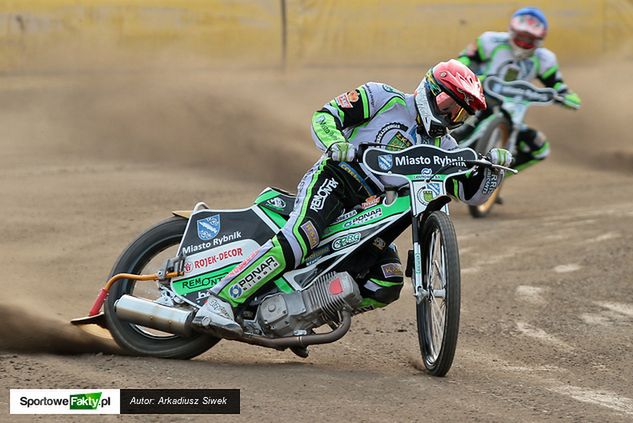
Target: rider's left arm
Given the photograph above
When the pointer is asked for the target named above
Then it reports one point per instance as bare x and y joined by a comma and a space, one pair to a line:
475, 187
552, 78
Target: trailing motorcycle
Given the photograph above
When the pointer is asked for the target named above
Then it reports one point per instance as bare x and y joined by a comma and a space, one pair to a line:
188, 253
502, 127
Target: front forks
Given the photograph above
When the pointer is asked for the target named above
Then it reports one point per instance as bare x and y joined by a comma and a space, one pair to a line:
422, 278
419, 290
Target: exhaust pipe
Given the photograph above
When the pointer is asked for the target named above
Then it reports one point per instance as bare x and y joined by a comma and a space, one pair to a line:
155, 316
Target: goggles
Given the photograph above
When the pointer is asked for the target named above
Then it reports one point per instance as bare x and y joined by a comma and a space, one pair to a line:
452, 112
525, 41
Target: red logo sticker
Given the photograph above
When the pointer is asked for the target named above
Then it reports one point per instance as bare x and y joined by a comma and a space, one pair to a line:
343, 101
370, 202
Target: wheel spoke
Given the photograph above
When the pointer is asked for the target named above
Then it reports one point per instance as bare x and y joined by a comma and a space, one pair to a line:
437, 289
438, 313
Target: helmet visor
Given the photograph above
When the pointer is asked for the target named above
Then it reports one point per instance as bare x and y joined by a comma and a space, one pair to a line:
451, 112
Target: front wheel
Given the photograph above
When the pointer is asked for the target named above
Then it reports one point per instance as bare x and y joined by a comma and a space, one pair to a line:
497, 134
438, 310
146, 255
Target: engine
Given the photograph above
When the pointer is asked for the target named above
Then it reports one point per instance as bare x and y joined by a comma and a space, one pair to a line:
298, 312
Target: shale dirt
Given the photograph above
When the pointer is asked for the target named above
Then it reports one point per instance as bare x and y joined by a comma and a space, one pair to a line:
91, 159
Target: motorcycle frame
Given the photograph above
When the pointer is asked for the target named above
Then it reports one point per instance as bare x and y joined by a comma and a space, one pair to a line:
414, 215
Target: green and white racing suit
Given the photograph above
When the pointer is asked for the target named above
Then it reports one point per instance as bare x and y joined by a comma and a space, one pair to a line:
491, 54
375, 113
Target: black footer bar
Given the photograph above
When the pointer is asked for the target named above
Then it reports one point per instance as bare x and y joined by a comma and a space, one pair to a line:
180, 401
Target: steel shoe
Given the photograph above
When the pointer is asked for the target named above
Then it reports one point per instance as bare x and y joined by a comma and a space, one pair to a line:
216, 317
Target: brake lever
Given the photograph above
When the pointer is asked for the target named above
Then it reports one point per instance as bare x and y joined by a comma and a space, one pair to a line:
485, 163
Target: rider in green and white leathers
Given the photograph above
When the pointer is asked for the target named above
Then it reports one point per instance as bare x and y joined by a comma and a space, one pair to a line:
378, 113
375, 113
493, 53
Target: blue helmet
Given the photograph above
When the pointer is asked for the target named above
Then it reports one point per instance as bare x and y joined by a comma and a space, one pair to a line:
532, 11
528, 28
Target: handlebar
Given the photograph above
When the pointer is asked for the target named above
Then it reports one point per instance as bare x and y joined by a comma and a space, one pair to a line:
483, 162
523, 91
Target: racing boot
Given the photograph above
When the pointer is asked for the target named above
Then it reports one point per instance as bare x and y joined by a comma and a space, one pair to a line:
216, 317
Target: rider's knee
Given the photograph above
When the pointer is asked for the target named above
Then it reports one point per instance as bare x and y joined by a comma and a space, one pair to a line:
290, 247
539, 139
541, 150
530, 139
532, 147
300, 242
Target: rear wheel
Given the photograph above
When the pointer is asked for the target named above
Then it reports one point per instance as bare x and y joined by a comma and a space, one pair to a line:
438, 311
497, 134
146, 255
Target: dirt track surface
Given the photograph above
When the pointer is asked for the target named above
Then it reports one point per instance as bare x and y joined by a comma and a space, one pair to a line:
91, 160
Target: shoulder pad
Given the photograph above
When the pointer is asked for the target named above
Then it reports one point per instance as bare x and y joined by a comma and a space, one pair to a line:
392, 90
488, 41
495, 37
378, 94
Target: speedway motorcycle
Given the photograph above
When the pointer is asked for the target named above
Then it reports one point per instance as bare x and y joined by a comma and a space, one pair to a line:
502, 127
161, 279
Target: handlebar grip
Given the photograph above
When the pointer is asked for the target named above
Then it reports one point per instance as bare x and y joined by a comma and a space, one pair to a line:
561, 100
